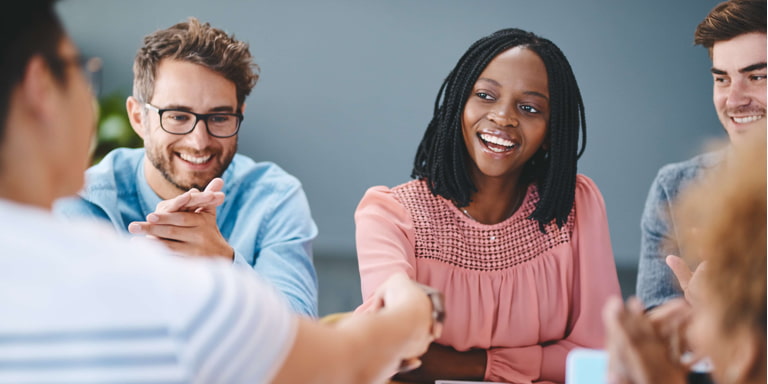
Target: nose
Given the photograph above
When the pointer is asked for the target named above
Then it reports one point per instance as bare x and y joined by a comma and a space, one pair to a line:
199, 137
504, 115
738, 94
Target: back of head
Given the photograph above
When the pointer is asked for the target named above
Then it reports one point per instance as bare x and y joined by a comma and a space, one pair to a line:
730, 19
442, 156
32, 28
727, 214
198, 43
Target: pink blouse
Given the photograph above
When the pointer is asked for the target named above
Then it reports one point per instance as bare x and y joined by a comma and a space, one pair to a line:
526, 297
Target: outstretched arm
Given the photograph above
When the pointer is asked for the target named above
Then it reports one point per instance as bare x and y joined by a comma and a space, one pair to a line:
385, 247
365, 347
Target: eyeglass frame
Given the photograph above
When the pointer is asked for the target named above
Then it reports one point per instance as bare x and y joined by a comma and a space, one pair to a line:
198, 116
91, 68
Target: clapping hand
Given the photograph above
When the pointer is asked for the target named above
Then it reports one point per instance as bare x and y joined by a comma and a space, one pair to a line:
187, 223
638, 351
689, 279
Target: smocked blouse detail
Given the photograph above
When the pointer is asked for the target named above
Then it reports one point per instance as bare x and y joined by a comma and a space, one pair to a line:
445, 234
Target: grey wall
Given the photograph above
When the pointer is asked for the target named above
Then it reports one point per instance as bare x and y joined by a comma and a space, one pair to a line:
348, 86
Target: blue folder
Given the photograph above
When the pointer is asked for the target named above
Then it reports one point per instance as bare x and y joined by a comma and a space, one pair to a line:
586, 366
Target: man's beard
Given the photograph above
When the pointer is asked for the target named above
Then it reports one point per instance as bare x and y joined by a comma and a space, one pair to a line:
163, 165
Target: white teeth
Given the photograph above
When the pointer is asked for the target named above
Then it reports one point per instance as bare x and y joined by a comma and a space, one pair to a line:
747, 119
496, 140
194, 159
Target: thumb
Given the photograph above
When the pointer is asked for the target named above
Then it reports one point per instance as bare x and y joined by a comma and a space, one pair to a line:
215, 185
681, 270
174, 204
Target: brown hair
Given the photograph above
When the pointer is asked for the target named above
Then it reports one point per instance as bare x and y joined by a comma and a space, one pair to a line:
196, 43
727, 217
730, 19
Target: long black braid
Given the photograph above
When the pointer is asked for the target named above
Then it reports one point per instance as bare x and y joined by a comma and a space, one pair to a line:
442, 157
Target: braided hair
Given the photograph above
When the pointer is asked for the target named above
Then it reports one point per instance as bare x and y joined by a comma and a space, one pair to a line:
441, 159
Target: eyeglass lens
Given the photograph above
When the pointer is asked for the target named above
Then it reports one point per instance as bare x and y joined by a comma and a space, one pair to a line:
180, 122
92, 70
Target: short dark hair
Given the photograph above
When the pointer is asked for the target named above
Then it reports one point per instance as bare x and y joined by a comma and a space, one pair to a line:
730, 19
442, 156
33, 28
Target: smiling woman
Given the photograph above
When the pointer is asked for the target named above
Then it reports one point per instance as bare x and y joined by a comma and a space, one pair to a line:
498, 219
505, 125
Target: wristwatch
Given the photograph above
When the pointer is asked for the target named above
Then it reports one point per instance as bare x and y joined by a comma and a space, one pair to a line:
438, 309
438, 316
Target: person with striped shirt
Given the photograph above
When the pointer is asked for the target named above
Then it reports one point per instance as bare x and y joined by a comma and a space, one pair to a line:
84, 304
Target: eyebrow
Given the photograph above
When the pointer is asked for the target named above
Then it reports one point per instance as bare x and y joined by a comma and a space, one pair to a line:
749, 68
531, 93
224, 109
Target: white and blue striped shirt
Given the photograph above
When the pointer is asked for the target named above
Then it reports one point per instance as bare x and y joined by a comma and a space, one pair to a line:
78, 304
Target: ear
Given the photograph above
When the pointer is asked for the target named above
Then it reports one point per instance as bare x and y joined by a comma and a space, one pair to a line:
38, 91
136, 115
242, 109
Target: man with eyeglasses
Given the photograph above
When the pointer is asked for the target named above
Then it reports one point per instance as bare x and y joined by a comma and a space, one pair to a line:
188, 187
82, 303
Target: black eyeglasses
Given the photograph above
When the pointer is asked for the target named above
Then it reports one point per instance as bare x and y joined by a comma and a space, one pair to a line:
181, 122
90, 67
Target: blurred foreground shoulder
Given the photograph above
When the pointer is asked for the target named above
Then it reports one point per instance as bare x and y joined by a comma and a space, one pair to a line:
129, 303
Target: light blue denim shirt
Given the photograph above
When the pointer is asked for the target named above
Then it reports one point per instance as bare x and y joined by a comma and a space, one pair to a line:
265, 216
655, 281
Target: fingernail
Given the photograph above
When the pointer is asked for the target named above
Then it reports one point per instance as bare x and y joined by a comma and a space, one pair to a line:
409, 365
152, 218
134, 228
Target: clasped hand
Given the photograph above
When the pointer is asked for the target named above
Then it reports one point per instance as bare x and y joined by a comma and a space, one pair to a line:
399, 292
187, 223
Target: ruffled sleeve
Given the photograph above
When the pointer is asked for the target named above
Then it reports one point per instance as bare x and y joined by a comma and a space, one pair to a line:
594, 281
385, 240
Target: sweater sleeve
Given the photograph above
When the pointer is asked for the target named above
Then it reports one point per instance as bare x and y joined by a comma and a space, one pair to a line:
385, 240
594, 281
655, 281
